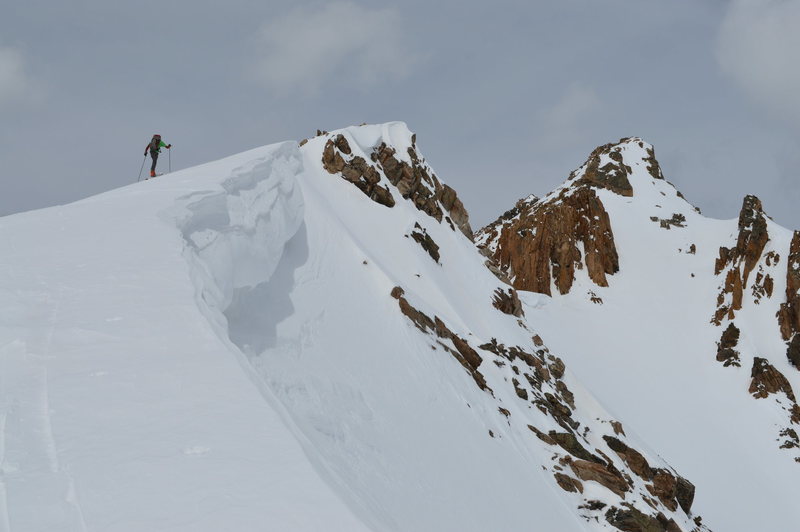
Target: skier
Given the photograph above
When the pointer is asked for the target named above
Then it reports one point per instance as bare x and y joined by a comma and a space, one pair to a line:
154, 147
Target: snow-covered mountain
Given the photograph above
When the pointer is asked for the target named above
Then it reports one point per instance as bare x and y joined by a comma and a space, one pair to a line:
305, 337
683, 326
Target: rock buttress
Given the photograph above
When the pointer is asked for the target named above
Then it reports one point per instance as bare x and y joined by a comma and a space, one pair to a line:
541, 243
415, 181
738, 262
789, 313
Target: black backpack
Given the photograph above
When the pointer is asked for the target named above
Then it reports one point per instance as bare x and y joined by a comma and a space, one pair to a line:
155, 145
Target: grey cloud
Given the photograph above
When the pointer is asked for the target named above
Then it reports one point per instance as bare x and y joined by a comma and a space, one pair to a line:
758, 46
14, 81
311, 46
565, 121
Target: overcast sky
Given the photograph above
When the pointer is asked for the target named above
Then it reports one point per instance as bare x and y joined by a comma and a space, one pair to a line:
506, 97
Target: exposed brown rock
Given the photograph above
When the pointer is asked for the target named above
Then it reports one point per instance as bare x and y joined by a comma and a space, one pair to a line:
742, 259
521, 392
356, 170
725, 347
617, 426
684, 493
332, 160
593, 505
633, 458
565, 393
542, 436
652, 164
792, 441
464, 353
397, 292
665, 487
632, 520
613, 174
568, 483
417, 183
542, 245
423, 322
677, 220
599, 473
793, 351
557, 367
507, 301
568, 442
421, 236
768, 380
789, 313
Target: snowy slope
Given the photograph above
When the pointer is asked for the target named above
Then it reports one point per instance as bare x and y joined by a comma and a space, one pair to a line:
647, 350
244, 346
120, 408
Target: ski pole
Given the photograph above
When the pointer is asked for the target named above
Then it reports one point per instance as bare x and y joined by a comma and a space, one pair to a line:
170, 160
142, 168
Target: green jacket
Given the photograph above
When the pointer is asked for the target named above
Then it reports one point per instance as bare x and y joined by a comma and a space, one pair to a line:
161, 144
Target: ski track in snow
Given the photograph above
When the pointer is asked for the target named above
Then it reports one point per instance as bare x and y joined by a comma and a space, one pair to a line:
30, 459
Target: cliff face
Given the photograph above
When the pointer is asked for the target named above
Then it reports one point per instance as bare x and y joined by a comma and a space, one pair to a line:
738, 262
541, 243
540, 248
789, 313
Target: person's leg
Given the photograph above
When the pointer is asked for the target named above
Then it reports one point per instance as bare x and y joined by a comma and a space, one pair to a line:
154, 155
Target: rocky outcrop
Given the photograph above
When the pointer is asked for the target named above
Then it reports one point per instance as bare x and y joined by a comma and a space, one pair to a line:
537, 379
633, 458
541, 245
507, 301
738, 262
466, 355
606, 168
725, 347
677, 220
632, 520
355, 170
421, 236
767, 380
600, 473
671, 490
417, 183
568, 483
789, 313
414, 180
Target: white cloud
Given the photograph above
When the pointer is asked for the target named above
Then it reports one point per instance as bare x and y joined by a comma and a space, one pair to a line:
14, 82
758, 46
341, 41
566, 120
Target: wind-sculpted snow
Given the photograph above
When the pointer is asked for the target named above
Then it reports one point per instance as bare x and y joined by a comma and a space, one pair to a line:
432, 427
236, 237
